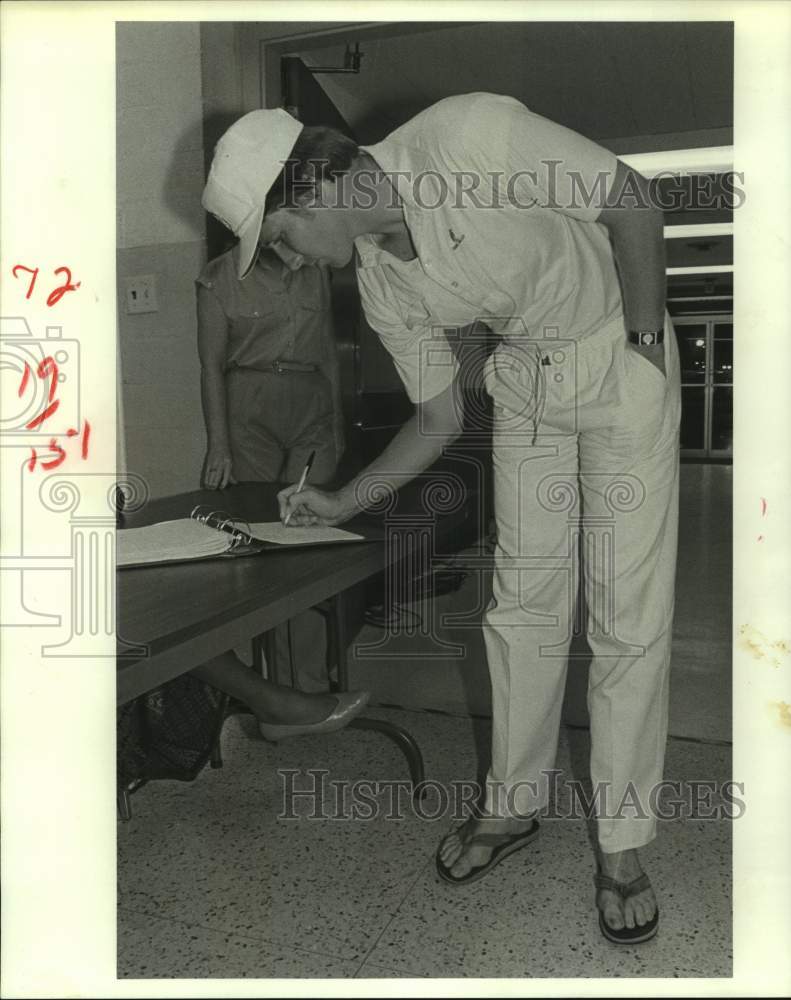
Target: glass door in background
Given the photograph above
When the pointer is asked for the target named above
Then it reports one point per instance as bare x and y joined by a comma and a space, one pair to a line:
705, 346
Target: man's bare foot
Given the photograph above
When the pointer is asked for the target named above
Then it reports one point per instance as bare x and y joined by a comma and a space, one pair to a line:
460, 856
635, 911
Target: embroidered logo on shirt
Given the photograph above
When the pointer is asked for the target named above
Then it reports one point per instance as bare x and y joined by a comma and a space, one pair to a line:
456, 239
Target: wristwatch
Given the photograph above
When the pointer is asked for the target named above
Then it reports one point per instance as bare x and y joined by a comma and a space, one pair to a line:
645, 338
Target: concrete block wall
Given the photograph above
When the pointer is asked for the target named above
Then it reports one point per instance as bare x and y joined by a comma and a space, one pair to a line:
160, 231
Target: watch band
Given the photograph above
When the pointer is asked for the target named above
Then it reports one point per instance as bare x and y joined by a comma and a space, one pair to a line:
645, 338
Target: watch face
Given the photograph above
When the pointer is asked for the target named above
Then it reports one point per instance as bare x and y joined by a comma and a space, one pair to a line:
647, 338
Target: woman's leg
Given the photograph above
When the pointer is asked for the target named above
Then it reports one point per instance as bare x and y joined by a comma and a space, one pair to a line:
269, 702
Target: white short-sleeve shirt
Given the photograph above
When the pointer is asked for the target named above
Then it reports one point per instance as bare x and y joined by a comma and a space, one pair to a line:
501, 205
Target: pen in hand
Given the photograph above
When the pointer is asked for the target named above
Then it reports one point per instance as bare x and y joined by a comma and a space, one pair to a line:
301, 483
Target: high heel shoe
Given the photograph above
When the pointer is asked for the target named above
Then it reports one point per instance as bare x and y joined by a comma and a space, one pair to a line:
350, 704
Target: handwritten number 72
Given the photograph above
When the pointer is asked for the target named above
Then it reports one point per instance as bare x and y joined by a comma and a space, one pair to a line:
57, 293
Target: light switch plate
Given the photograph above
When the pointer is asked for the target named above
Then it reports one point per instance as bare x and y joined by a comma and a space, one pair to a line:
141, 294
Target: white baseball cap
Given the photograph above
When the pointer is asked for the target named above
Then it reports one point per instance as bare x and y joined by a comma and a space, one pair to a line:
247, 161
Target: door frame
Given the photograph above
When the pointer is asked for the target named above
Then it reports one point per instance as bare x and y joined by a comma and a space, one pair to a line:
270, 94
710, 320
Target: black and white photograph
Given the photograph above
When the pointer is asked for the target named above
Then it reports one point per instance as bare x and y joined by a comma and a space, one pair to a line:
411, 218
425, 639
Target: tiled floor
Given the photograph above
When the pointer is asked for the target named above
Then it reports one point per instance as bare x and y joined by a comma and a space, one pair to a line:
212, 884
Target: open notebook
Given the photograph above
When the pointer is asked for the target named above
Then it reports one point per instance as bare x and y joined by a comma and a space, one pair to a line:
206, 533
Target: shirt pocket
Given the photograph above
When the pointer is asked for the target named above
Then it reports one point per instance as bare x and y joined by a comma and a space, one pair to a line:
252, 319
252, 308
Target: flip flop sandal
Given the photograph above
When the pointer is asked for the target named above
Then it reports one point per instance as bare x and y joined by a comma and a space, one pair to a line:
626, 935
503, 843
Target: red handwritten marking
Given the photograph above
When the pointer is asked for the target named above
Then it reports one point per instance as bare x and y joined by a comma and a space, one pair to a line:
57, 293
60, 452
30, 270
763, 506
44, 415
61, 455
49, 367
86, 434
25, 380
67, 286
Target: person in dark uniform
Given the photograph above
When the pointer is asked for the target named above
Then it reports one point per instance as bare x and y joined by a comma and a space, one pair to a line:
269, 371
270, 392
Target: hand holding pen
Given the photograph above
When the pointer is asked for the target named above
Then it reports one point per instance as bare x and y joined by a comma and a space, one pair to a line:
302, 481
314, 506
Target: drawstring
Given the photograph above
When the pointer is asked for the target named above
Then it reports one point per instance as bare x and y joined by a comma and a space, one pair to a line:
526, 382
540, 392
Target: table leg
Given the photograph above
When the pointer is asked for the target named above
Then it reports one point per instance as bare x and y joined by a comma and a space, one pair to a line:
337, 639
260, 664
339, 644
406, 743
124, 805
215, 756
124, 798
215, 760
264, 657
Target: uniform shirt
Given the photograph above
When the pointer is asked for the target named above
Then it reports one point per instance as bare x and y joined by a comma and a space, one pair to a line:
274, 314
522, 251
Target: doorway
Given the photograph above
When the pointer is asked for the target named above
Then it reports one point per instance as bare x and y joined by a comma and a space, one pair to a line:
705, 345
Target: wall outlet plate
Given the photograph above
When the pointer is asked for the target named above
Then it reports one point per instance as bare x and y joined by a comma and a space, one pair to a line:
141, 294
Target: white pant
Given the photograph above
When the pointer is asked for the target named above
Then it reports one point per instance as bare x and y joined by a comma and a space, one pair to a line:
588, 441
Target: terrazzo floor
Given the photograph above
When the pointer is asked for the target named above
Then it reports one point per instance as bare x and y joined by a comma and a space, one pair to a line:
213, 884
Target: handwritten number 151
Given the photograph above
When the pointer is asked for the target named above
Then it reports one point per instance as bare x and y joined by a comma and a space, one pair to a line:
57, 293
